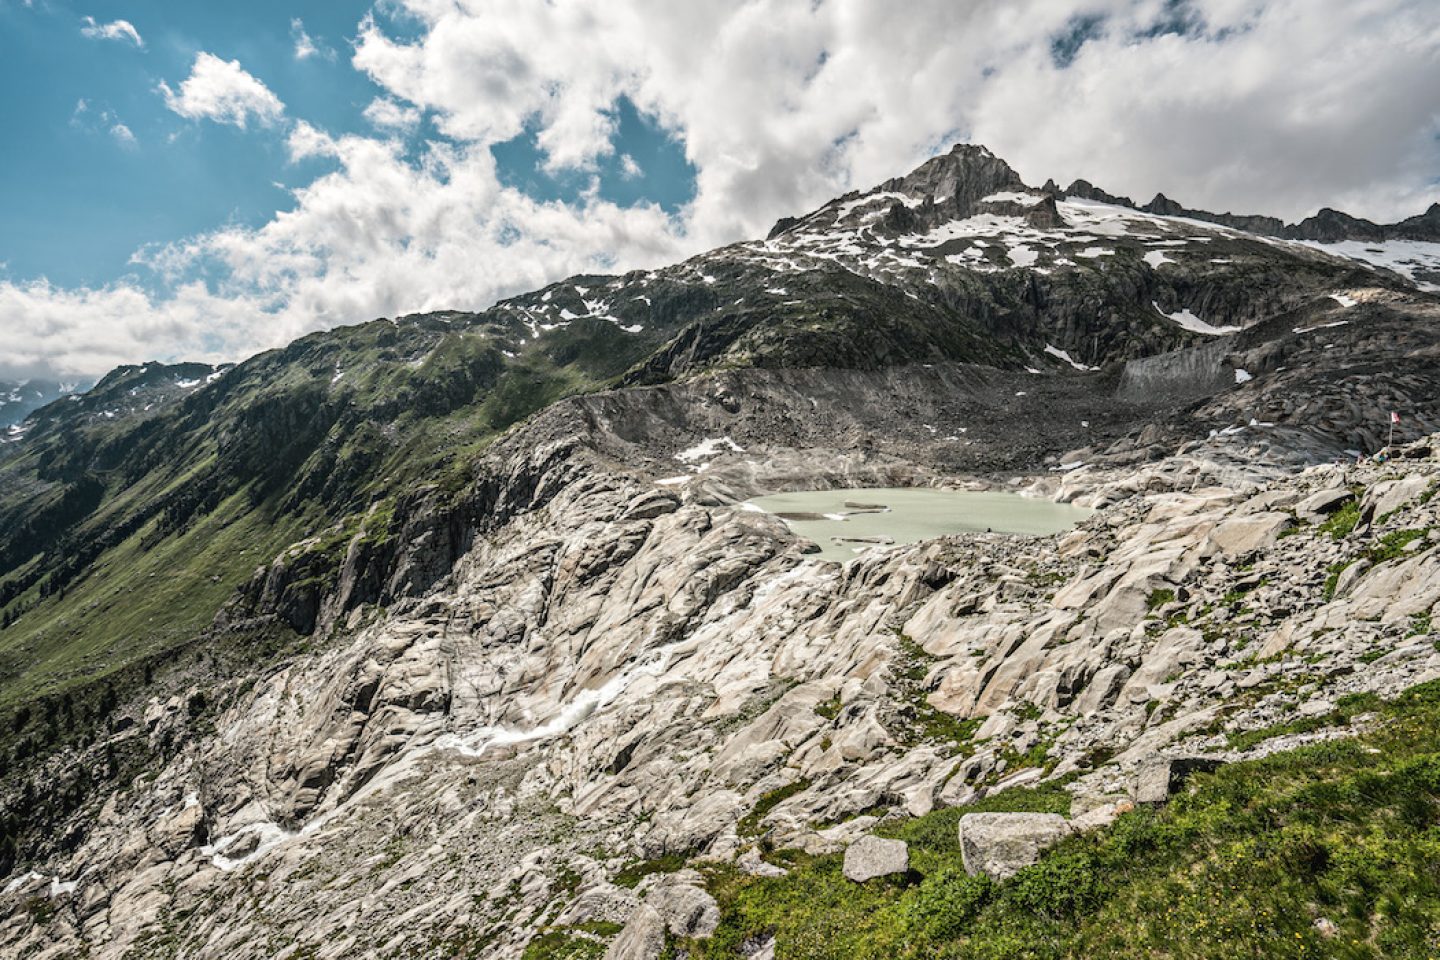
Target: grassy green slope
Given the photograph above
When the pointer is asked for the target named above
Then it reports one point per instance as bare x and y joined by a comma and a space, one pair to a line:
1331, 850
137, 602
294, 444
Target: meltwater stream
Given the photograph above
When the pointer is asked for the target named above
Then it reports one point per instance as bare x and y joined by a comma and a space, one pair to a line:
846, 522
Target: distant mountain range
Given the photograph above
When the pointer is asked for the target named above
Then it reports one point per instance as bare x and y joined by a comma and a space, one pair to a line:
20, 398
1326, 226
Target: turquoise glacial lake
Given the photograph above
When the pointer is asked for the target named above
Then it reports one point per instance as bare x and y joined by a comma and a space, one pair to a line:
846, 522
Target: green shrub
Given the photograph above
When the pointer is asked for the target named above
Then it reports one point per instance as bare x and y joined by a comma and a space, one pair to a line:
1393, 544
1158, 598
630, 876
749, 824
1340, 523
946, 902
580, 942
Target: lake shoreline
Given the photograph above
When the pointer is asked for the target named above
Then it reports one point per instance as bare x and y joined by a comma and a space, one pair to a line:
846, 522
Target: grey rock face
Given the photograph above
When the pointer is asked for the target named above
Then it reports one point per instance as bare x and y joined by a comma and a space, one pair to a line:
1389, 496
642, 938
1200, 371
999, 845
871, 857
628, 666
1350, 576
632, 672
1152, 782
688, 911
1159, 777
955, 182
1318, 506
1242, 536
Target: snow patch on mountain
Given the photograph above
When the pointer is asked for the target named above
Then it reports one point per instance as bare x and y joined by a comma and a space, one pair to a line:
1059, 354
1022, 255
1414, 260
708, 448
887, 197
1010, 196
1193, 323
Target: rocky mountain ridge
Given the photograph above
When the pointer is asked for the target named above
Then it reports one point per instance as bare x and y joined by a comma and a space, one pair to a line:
20, 398
301, 440
1325, 226
971, 185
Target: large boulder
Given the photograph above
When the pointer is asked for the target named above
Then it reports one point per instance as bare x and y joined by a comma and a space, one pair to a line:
1390, 495
1243, 535
1318, 506
643, 937
687, 911
871, 857
999, 845
1158, 777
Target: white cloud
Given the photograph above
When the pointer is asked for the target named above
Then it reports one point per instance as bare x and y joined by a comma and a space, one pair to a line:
382, 235
379, 236
629, 169
388, 115
87, 332
1266, 106
305, 141
305, 45
792, 103
115, 30
92, 119
222, 90
1278, 108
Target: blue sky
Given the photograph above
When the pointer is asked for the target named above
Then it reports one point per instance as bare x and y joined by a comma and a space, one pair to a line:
77, 201
219, 193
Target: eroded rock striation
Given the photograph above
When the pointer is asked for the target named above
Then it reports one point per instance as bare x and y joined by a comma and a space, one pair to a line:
624, 675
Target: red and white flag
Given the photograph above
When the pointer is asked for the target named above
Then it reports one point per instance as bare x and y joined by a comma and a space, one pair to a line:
1394, 417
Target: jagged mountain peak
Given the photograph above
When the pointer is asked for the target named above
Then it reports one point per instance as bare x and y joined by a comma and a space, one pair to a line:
951, 186
1326, 226
1329, 225
961, 177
